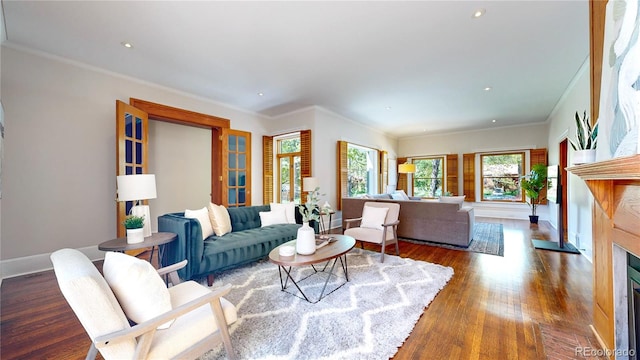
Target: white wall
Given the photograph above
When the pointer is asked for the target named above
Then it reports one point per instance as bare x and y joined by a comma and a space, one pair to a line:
562, 125
327, 128
59, 172
495, 139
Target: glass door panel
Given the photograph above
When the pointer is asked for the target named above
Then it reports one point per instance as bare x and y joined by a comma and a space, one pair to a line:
237, 184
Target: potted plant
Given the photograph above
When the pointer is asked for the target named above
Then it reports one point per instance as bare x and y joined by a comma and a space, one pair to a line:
533, 184
134, 225
586, 140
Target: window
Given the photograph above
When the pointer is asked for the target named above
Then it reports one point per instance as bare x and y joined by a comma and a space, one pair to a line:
501, 176
289, 176
362, 165
428, 180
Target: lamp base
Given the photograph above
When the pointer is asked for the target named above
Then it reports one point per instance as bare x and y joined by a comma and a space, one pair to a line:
143, 210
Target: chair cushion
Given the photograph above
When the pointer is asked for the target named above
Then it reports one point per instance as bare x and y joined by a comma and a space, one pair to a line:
373, 217
138, 287
365, 234
219, 218
289, 211
91, 299
399, 195
202, 215
191, 327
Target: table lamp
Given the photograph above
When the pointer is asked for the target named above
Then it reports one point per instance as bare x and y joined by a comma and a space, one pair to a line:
405, 168
137, 188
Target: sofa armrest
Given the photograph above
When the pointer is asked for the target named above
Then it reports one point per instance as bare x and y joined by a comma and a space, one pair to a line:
188, 245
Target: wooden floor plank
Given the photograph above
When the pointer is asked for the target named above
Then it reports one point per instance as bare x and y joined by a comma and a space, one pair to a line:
493, 307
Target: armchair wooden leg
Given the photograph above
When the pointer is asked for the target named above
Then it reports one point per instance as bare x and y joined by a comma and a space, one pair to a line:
397, 248
210, 279
382, 253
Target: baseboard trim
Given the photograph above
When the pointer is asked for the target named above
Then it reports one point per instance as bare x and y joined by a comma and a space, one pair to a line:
36, 263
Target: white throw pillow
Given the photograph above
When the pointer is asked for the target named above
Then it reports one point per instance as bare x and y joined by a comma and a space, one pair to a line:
138, 287
289, 211
202, 215
220, 220
373, 217
272, 217
452, 199
400, 194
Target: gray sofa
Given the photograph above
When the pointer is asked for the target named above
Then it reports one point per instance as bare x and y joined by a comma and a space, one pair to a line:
429, 220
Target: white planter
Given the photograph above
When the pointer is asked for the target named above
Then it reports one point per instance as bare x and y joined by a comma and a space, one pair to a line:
584, 156
306, 240
135, 236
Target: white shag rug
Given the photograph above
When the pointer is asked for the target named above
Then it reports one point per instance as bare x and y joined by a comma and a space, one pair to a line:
367, 318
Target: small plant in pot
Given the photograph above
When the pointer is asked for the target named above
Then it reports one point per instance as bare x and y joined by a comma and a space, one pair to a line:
586, 140
134, 225
532, 184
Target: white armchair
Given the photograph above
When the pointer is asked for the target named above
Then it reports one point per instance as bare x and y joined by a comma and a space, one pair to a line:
378, 224
198, 317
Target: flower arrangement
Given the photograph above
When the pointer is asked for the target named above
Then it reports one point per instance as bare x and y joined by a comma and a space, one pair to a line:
309, 210
133, 222
586, 136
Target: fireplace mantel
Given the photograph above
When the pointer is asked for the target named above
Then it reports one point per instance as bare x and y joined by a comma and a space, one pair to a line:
615, 185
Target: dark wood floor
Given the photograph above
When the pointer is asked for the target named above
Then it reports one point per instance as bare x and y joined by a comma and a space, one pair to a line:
529, 304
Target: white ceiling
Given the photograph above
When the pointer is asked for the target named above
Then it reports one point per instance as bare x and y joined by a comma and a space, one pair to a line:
405, 68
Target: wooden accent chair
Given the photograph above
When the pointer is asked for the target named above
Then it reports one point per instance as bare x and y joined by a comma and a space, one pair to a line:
378, 224
197, 319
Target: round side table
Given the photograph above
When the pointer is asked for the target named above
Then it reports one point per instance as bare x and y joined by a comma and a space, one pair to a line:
159, 240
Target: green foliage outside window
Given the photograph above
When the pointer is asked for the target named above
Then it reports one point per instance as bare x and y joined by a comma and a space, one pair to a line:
428, 180
501, 175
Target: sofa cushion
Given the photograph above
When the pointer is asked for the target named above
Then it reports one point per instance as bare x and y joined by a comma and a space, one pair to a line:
202, 215
248, 217
220, 220
452, 199
399, 195
289, 210
273, 217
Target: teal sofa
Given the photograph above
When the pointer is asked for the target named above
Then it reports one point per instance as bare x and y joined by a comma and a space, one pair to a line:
247, 242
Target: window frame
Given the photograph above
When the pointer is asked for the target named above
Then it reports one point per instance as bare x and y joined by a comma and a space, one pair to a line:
443, 165
519, 176
292, 174
372, 175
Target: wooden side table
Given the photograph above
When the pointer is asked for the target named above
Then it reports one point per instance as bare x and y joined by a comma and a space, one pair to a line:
158, 240
324, 229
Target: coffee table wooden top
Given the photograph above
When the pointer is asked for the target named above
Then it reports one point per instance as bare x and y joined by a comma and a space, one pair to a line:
334, 249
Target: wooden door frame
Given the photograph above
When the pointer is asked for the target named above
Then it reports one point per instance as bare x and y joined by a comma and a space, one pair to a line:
179, 116
564, 180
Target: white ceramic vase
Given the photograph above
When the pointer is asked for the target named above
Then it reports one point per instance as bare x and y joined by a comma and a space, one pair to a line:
584, 156
306, 240
135, 236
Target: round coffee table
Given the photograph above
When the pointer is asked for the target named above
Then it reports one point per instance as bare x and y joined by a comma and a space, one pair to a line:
335, 250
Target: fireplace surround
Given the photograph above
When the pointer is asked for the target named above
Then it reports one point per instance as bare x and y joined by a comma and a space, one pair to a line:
615, 185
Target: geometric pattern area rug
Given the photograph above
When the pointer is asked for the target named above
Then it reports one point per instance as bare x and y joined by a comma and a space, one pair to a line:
368, 318
488, 238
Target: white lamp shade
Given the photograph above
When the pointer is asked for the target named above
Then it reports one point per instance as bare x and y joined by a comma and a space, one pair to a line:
310, 184
136, 187
406, 168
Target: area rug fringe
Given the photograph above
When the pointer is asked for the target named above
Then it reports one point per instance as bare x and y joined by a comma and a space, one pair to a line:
368, 318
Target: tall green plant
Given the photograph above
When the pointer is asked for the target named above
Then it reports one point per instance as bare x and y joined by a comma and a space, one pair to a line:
533, 184
586, 136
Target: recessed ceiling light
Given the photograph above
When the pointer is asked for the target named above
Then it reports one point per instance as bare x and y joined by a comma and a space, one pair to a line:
494, 120
388, 108
126, 44
260, 94
478, 13
488, 88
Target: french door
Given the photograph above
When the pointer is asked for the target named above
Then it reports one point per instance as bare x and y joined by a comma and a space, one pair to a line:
132, 131
236, 163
